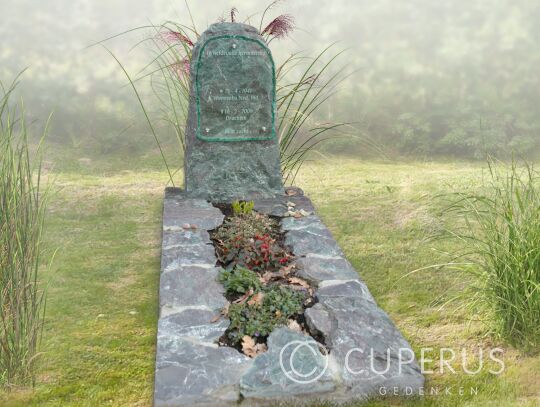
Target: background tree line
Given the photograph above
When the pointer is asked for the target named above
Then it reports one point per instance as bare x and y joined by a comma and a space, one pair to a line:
430, 78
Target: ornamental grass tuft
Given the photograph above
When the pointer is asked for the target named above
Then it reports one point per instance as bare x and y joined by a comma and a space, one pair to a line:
22, 210
501, 233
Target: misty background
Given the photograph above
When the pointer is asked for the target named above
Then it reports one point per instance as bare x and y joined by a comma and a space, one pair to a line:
431, 79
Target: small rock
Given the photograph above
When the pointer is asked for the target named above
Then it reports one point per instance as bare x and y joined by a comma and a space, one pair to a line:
291, 204
186, 226
291, 191
193, 226
133, 312
319, 320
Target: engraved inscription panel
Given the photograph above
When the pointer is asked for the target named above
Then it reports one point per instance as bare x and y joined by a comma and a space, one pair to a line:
235, 90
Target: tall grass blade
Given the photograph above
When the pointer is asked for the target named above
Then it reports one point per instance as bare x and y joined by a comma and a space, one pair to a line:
22, 212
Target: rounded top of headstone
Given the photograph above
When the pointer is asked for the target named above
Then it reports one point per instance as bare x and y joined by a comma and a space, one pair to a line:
217, 29
231, 27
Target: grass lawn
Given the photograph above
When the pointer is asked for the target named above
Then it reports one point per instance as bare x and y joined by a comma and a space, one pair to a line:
99, 339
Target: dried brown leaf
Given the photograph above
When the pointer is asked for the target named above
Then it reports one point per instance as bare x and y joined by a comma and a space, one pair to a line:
284, 271
244, 297
277, 275
300, 282
250, 348
256, 299
248, 344
266, 277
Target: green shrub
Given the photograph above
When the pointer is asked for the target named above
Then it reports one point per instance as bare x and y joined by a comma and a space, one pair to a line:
284, 300
242, 208
278, 305
502, 237
239, 281
251, 320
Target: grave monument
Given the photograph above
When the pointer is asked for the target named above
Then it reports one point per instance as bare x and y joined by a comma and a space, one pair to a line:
232, 149
232, 152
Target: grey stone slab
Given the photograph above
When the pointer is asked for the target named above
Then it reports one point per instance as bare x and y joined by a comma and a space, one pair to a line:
312, 223
194, 323
316, 269
185, 255
272, 376
191, 374
308, 235
349, 289
184, 237
303, 243
178, 211
366, 346
277, 206
271, 206
191, 287
232, 99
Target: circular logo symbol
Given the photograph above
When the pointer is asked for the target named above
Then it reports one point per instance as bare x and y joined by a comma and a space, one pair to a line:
303, 362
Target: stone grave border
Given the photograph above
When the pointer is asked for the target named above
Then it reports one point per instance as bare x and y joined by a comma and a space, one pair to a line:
192, 370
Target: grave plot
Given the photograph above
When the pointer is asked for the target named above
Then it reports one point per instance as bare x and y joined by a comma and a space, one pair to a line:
279, 313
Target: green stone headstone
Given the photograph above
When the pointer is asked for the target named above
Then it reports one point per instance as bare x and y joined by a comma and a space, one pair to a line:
232, 149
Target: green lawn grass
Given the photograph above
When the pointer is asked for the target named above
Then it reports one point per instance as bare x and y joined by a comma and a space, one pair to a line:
99, 339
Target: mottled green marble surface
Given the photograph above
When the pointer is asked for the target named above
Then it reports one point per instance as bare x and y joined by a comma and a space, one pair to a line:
220, 164
235, 90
